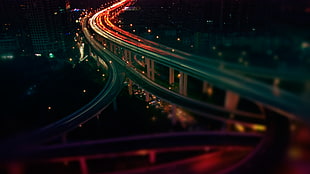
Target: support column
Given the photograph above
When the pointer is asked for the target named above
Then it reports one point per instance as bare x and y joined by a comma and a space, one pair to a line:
115, 49
231, 103
130, 87
150, 68
261, 108
171, 76
148, 71
205, 87
15, 168
124, 54
111, 47
173, 113
183, 84
275, 86
152, 156
185, 78
127, 56
147, 96
231, 100
98, 60
83, 166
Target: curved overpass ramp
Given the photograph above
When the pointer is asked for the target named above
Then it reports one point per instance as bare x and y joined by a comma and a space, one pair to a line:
224, 75
31, 140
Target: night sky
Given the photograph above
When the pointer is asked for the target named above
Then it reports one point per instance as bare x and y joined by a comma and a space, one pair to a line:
42, 79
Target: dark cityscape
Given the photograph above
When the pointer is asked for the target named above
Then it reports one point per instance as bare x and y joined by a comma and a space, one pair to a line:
155, 86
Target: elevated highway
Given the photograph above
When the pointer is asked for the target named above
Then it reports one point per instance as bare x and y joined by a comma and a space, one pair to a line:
227, 76
118, 50
15, 146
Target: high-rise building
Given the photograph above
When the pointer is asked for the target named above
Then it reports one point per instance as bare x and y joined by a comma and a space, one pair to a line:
9, 27
46, 25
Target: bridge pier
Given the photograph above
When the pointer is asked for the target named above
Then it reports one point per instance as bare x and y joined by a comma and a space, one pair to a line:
150, 73
183, 83
111, 47
150, 70
231, 100
127, 56
152, 156
275, 86
231, 103
147, 96
171, 75
130, 83
15, 168
83, 165
207, 88
173, 113
271, 150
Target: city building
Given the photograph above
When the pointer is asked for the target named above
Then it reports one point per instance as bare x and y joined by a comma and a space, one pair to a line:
46, 25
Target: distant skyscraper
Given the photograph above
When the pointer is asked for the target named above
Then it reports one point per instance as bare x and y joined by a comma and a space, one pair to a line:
46, 25
9, 27
7, 9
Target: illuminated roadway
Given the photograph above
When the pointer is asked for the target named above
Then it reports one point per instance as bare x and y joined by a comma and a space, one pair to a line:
20, 144
221, 74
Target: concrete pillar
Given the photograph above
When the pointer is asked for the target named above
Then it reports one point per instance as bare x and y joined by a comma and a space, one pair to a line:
83, 166
205, 87
124, 54
261, 108
130, 87
98, 60
275, 86
171, 76
127, 56
115, 49
152, 156
147, 96
111, 47
15, 168
148, 68
231, 100
152, 70
173, 112
185, 79
183, 84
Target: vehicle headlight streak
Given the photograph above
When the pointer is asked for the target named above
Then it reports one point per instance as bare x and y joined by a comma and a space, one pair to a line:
216, 72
